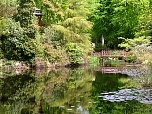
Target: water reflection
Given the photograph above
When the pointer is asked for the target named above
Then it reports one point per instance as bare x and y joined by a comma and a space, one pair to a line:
48, 92
71, 91
107, 94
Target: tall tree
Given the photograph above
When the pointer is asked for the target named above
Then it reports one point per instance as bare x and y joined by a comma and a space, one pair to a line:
143, 34
69, 19
116, 18
53, 10
76, 30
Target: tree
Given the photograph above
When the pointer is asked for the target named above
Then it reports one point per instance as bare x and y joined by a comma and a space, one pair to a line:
143, 33
116, 18
69, 20
53, 11
76, 29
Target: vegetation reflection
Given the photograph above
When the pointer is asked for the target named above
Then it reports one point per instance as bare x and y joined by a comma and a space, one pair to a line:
37, 92
66, 91
112, 83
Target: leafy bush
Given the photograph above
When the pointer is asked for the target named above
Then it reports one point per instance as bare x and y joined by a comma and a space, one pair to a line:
14, 41
53, 46
10, 62
131, 58
94, 61
53, 37
75, 53
1, 54
130, 43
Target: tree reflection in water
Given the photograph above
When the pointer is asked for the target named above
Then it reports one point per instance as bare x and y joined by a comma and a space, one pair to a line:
50, 92
66, 91
111, 83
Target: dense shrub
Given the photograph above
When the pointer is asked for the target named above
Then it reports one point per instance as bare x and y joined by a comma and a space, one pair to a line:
131, 57
94, 61
53, 46
75, 53
14, 42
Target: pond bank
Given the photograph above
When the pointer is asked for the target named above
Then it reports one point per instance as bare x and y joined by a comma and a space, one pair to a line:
12, 65
21, 66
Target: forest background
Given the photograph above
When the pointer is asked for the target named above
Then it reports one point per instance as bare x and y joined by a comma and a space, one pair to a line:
72, 29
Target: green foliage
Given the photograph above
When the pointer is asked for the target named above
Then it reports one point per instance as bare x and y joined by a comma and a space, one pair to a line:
78, 25
8, 8
75, 53
53, 46
129, 43
25, 13
131, 58
67, 39
94, 61
25, 18
55, 55
11, 35
19, 40
117, 18
99, 47
140, 45
14, 43
1, 54
113, 62
53, 11
69, 26
53, 37
68, 30
75, 29
10, 62
77, 8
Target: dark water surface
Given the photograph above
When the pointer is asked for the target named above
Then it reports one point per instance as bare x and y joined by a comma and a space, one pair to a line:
74, 91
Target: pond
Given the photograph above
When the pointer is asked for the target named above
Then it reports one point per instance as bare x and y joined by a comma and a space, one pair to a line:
76, 91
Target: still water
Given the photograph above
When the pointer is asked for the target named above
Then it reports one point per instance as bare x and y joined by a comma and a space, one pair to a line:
75, 91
